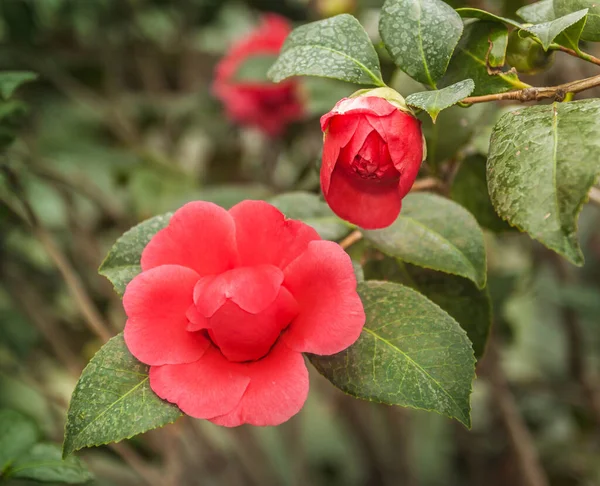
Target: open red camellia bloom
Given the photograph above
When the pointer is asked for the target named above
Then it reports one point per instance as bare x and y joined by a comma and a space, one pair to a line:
373, 149
226, 304
268, 106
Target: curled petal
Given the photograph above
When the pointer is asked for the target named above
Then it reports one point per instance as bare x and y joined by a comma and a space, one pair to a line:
265, 236
200, 235
277, 391
339, 132
156, 303
331, 313
360, 105
204, 389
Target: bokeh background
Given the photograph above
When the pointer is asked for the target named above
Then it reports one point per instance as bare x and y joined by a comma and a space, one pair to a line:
122, 125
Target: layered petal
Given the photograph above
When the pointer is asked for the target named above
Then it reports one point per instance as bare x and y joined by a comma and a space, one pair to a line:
265, 236
338, 134
156, 302
200, 236
331, 314
277, 391
360, 105
253, 289
368, 203
206, 388
243, 336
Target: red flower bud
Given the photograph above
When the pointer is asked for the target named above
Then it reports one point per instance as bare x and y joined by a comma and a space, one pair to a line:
265, 105
373, 149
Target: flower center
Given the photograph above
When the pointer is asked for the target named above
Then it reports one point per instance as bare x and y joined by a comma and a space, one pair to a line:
369, 169
373, 161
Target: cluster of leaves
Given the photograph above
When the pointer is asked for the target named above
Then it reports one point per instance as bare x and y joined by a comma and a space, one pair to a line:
429, 323
23, 457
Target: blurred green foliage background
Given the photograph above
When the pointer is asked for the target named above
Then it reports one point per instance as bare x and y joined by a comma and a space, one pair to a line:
121, 125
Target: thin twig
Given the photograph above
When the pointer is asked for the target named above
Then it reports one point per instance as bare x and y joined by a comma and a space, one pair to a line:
352, 238
558, 93
426, 184
581, 55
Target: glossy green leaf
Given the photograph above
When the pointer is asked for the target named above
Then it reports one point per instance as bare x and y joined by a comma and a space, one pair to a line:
11, 80
437, 100
475, 13
471, 60
591, 32
113, 400
337, 47
254, 69
538, 12
309, 208
43, 463
420, 35
435, 232
17, 434
548, 31
122, 263
470, 190
542, 163
410, 353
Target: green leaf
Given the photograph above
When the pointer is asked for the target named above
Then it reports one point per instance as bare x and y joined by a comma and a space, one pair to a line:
542, 163
321, 94
475, 13
435, 101
435, 232
471, 60
337, 47
44, 463
469, 189
410, 353
313, 211
548, 31
11, 80
113, 400
122, 263
538, 12
420, 35
591, 32
17, 434
254, 69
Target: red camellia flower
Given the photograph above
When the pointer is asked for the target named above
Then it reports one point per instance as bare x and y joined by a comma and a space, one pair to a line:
373, 149
226, 304
268, 106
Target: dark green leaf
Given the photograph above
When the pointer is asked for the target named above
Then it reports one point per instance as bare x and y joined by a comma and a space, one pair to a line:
538, 12
548, 31
122, 263
591, 32
113, 400
475, 13
435, 232
471, 60
337, 47
11, 80
543, 161
44, 463
322, 93
313, 211
254, 69
17, 435
420, 35
435, 101
410, 353
469, 189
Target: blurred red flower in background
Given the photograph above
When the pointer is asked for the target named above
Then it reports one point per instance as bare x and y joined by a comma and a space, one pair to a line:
257, 102
226, 304
373, 149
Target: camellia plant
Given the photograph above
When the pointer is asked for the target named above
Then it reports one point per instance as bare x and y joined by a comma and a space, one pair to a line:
225, 308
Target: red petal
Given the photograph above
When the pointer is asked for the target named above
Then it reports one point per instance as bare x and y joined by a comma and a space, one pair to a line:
277, 391
338, 134
204, 389
156, 302
361, 105
405, 144
265, 236
242, 336
251, 288
368, 203
331, 313
200, 236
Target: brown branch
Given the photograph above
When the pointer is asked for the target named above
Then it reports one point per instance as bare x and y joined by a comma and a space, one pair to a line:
352, 238
585, 56
557, 93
